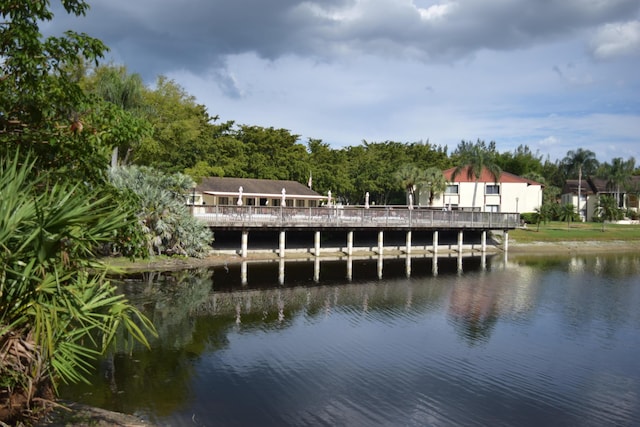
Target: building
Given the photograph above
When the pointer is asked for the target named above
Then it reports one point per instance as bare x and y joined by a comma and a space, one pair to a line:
511, 193
590, 191
218, 191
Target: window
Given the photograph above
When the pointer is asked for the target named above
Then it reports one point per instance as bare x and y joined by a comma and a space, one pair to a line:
493, 189
223, 201
313, 204
452, 189
300, 203
493, 208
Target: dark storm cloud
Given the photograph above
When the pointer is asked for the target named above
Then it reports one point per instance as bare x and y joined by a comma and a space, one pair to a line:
158, 36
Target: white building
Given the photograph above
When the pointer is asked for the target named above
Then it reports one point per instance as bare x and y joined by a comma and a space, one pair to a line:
511, 193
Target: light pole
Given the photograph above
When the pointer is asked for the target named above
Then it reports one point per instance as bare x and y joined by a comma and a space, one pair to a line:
517, 200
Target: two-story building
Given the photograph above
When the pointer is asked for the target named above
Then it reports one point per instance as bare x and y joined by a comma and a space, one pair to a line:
510, 193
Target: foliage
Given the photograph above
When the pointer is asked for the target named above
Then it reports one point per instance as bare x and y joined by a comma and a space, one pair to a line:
42, 105
608, 210
618, 175
568, 213
410, 177
434, 182
167, 225
474, 158
57, 312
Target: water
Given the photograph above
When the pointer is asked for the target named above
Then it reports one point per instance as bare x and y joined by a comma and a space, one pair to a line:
473, 342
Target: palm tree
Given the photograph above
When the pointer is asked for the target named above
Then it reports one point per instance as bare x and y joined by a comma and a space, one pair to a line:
411, 178
567, 212
581, 161
474, 159
434, 182
57, 310
608, 209
618, 174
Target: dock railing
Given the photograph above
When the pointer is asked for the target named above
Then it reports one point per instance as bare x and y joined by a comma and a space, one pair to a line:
351, 216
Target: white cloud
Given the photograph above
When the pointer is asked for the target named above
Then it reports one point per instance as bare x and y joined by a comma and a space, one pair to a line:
616, 40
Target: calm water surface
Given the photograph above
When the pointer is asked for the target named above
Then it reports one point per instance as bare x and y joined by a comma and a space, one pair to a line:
465, 342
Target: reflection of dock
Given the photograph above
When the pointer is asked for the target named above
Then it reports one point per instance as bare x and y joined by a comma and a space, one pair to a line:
349, 268
350, 220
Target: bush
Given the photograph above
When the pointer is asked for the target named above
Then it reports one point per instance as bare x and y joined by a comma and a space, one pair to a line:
57, 310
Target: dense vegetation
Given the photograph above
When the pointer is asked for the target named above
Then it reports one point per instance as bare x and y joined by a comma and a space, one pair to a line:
94, 162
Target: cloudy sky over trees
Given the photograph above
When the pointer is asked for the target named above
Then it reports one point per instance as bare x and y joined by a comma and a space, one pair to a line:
553, 74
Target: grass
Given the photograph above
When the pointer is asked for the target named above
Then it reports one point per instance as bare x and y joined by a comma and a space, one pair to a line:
577, 231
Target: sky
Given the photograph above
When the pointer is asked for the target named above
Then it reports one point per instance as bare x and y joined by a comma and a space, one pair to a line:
555, 75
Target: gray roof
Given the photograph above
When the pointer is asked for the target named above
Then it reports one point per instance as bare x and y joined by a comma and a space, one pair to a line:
263, 187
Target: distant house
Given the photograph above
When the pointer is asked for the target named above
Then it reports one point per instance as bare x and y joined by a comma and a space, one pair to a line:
217, 191
590, 191
511, 193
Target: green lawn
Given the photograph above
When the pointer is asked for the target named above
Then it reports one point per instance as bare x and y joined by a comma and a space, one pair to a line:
577, 231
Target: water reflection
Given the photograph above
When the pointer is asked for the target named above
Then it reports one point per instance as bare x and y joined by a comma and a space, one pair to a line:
507, 341
329, 266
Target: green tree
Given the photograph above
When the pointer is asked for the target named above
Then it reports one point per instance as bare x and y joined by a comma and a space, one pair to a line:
580, 161
410, 177
166, 223
329, 169
522, 161
434, 182
474, 158
125, 92
42, 104
567, 213
608, 210
273, 154
544, 213
181, 129
618, 175
57, 310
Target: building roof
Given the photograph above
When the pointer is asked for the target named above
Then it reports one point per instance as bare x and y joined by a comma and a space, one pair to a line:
485, 177
571, 187
255, 187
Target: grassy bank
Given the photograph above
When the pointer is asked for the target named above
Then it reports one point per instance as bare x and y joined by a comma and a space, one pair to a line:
576, 232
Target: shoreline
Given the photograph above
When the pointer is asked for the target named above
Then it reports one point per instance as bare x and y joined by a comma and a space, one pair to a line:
126, 266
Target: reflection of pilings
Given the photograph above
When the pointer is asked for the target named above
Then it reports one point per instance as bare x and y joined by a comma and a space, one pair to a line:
460, 240
349, 268
434, 266
244, 243
380, 260
483, 241
506, 240
316, 269
435, 242
407, 266
459, 262
483, 261
281, 271
243, 273
282, 243
316, 243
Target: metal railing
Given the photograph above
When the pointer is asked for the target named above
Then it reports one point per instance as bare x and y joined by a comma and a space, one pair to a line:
354, 216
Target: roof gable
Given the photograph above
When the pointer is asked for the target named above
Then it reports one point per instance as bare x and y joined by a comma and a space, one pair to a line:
263, 187
486, 177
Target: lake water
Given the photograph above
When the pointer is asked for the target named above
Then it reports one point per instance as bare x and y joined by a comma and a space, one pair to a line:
477, 341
